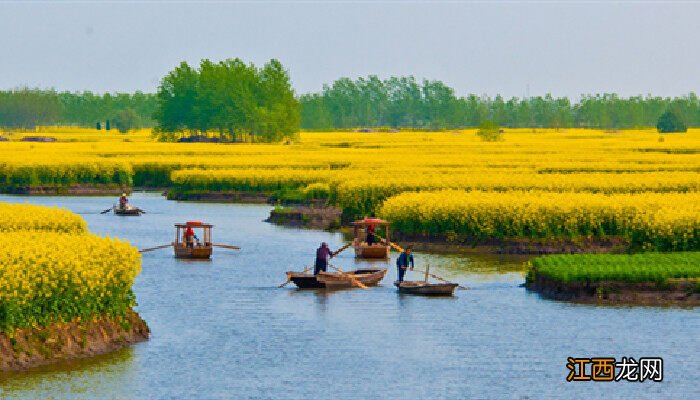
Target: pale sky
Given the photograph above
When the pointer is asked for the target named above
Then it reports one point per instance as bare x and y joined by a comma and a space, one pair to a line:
476, 47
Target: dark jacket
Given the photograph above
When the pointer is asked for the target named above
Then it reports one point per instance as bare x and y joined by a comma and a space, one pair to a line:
404, 259
322, 253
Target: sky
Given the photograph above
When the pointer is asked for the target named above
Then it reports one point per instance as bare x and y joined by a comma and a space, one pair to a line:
510, 48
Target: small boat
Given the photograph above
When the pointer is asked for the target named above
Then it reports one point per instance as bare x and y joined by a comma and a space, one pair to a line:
335, 280
195, 249
424, 288
127, 211
377, 250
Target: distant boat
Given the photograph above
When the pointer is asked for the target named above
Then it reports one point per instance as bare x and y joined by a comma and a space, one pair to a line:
379, 249
127, 211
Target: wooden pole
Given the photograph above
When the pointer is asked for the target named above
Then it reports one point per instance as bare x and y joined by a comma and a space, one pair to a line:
347, 276
341, 249
427, 269
439, 278
155, 248
226, 246
289, 277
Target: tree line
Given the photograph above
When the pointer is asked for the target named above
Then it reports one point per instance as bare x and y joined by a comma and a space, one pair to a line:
26, 108
230, 99
235, 101
404, 102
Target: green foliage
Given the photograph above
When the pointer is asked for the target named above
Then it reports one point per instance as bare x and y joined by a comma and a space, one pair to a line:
670, 122
28, 108
239, 101
646, 267
403, 102
126, 120
489, 131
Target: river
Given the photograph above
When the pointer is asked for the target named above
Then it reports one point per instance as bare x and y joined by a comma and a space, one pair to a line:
222, 329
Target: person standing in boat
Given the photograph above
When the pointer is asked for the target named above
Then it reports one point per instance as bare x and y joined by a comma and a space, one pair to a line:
189, 236
123, 201
370, 235
403, 262
323, 253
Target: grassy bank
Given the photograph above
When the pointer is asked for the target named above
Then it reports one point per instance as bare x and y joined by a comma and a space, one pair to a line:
645, 279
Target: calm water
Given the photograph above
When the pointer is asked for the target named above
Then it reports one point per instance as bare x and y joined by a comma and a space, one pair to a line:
222, 329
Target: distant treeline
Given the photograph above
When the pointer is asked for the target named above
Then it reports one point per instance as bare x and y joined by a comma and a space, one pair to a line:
238, 100
27, 108
403, 102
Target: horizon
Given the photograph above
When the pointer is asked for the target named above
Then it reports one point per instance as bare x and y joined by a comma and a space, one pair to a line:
509, 48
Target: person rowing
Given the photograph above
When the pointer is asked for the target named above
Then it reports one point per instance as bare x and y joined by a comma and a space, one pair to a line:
323, 253
123, 202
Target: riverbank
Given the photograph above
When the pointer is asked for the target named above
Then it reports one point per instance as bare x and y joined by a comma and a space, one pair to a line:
677, 292
641, 279
32, 347
310, 217
522, 246
87, 189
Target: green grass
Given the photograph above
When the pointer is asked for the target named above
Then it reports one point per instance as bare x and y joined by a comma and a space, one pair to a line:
646, 267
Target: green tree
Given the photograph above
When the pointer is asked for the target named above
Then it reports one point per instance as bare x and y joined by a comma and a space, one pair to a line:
670, 122
126, 120
489, 131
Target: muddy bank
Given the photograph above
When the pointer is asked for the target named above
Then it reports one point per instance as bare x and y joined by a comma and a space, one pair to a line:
33, 347
312, 217
510, 246
69, 190
676, 292
220, 197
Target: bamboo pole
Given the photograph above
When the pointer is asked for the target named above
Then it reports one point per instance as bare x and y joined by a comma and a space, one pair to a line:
289, 277
155, 248
226, 246
341, 249
347, 276
438, 278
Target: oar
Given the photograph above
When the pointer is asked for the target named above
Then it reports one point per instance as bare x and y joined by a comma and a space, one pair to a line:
155, 248
226, 246
341, 249
106, 211
289, 277
440, 279
347, 276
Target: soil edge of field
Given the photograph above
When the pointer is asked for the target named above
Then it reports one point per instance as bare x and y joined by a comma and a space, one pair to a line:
33, 347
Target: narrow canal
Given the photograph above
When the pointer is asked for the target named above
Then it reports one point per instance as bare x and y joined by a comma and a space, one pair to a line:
222, 329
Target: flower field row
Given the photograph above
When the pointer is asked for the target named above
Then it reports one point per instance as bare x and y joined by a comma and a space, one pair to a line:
667, 221
644, 267
25, 217
53, 270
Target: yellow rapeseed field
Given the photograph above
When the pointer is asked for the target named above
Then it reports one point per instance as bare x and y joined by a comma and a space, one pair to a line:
359, 171
53, 270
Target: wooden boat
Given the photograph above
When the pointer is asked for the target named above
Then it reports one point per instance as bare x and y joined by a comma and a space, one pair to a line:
128, 211
196, 249
377, 250
424, 288
335, 280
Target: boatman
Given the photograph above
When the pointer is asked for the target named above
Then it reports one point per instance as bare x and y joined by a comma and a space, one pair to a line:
189, 237
123, 201
323, 253
370, 235
402, 263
